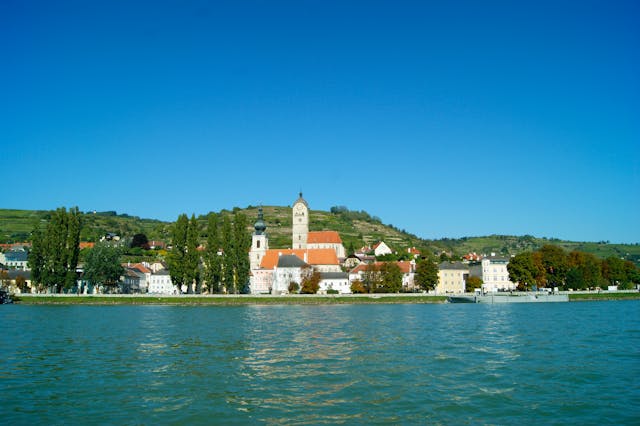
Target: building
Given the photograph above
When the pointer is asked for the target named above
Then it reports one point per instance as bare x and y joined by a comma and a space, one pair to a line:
326, 239
300, 224
381, 249
15, 259
452, 277
494, 274
161, 283
259, 242
319, 250
290, 269
334, 281
408, 270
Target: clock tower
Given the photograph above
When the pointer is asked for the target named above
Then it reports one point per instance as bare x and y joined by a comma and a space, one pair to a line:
259, 242
300, 224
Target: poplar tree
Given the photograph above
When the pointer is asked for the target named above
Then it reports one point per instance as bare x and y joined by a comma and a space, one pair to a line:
54, 251
213, 261
176, 258
192, 257
228, 256
242, 245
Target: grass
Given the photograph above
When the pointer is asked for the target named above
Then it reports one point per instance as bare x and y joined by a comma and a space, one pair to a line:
223, 300
577, 297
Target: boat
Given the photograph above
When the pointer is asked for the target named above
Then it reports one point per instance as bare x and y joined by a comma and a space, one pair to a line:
529, 297
5, 298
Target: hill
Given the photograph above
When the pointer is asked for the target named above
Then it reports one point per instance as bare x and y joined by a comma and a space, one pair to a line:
357, 228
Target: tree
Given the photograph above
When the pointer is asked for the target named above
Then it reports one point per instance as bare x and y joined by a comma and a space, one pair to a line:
212, 258
21, 283
177, 256
357, 287
310, 283
426, 276
294, 287
140, 240
55, 251
371, 278
242, 245
192, 256
228, 256
585, 271
554, 262
391, 277
522, 270
473, 283
102, 266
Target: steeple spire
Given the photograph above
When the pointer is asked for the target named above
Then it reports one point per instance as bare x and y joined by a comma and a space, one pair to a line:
260, 226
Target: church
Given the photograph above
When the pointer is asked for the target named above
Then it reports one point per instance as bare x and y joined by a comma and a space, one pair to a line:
272, 270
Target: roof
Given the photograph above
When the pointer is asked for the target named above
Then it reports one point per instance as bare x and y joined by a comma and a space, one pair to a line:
334, 275
85, 244
318, 237
313, 256
453, 266
290, 261
140, 267
13, 274
405, 267
16, 256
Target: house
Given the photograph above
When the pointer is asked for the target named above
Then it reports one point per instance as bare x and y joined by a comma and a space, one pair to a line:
86, 245
289, 269
15, 259
160, 283
408, 270
351, 261
414, 252
338, 281
452, 277
131, 281
157, 245
11, 282
494, 274
380, 249
471, 257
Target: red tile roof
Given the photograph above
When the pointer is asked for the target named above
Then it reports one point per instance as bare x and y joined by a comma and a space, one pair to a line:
85, 244
326, 237
405, 267
314, 257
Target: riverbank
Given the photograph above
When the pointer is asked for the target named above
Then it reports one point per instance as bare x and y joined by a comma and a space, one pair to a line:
224, 300
231, 300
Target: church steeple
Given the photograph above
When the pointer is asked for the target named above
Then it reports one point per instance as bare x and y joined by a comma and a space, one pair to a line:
260, 226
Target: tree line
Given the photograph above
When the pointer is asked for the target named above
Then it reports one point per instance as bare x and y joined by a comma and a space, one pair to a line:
55, 250
222, 265
552, 266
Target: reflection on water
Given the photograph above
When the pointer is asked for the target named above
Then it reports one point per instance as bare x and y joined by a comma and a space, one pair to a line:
320, 364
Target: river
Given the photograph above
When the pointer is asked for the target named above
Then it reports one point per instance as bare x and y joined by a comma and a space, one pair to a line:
540, 363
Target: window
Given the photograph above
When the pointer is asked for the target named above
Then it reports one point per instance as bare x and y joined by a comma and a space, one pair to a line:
258, 244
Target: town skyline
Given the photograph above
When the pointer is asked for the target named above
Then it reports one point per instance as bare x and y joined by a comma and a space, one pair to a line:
447, 120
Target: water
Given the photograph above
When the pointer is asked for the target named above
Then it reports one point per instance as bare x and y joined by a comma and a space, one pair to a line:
354, 364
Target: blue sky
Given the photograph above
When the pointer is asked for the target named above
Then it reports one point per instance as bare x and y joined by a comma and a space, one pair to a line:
446, 119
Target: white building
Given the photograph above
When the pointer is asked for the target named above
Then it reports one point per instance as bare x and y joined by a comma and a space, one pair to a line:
160, 283
494, 274
452, 277
290, 269
381, 249
300, 224
338, 281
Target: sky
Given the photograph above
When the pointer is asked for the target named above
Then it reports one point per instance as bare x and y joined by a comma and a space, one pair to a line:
446, 119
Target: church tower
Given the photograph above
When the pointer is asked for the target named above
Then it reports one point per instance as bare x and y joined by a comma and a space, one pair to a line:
259, 241
300, 224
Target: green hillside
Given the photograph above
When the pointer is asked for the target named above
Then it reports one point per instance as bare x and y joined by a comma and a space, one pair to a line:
356, 229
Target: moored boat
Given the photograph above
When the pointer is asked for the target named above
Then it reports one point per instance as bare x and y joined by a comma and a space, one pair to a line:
509, 298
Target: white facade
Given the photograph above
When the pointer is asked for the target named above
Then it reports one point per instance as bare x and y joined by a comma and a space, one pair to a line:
160, 283
495, 276
300, 224
381, 249
335, 281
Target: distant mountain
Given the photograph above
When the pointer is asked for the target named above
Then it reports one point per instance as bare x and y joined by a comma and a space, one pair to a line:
356, 228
